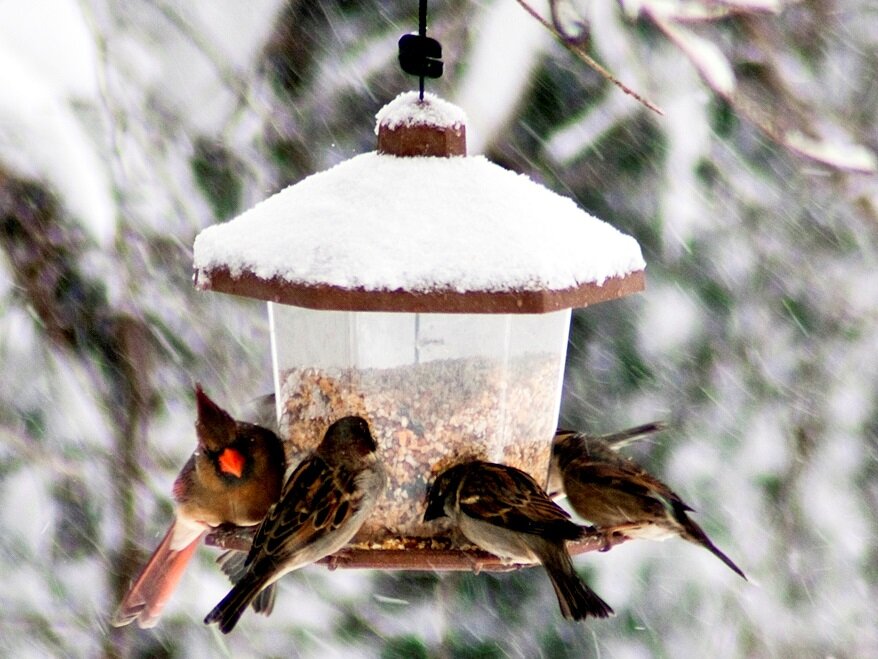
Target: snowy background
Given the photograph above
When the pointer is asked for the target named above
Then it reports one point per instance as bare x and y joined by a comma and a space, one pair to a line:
126, 128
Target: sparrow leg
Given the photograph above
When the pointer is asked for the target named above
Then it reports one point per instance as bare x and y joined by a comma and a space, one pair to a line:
607, 544
338, 558
607, 539
602, 535
613, 535
479, 563
589, 530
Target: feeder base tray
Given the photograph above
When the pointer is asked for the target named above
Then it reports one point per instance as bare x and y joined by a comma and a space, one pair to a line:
437, 554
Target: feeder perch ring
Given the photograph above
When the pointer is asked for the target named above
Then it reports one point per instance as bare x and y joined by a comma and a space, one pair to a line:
437, 554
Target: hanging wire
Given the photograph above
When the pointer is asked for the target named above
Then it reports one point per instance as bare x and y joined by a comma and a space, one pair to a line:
422, 34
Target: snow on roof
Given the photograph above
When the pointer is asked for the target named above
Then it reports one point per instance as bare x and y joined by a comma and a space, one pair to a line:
407, 110
381, 222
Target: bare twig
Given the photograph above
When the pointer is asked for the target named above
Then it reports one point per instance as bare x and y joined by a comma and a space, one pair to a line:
236, 82
577, 49
784, 119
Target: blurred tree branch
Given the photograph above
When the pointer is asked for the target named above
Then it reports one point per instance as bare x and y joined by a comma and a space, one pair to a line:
763, 97
575, 44
44, 250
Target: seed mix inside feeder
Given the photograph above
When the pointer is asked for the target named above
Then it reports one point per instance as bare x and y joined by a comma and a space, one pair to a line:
429, 292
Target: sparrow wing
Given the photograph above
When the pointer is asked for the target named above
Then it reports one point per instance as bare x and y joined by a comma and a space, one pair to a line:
627, 477
621, 439
317, 499
510, 498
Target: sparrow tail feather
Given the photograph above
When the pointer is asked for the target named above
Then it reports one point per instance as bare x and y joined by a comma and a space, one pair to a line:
232, 564
264, 602
576, 599
693, 533
227, 613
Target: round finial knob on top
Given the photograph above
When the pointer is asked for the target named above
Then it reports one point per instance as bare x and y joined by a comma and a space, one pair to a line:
411, 126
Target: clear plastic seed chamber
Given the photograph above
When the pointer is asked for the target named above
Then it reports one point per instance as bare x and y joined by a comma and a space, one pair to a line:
436, 389
429, 292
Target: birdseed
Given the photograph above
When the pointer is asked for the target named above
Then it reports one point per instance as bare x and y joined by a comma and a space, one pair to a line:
426, 417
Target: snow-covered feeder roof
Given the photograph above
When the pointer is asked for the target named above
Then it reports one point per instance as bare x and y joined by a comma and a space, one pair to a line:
395, 230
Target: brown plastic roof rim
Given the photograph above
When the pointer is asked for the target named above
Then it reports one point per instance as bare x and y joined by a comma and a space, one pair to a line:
328, 297
416, 140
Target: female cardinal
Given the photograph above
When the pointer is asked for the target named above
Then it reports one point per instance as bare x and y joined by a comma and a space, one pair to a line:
504, 511
610, 490
324, 503
233, 477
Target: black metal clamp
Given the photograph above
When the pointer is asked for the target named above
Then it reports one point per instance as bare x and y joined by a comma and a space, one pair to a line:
420, 55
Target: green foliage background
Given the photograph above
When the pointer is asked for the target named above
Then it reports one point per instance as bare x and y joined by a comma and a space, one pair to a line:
756, 337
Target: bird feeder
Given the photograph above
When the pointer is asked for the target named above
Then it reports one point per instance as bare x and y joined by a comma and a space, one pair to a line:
429, 292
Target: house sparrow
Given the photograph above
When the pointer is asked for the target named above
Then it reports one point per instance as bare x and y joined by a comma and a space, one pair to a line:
234, 475
614, 440
609, 490
504, 511
323, 504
